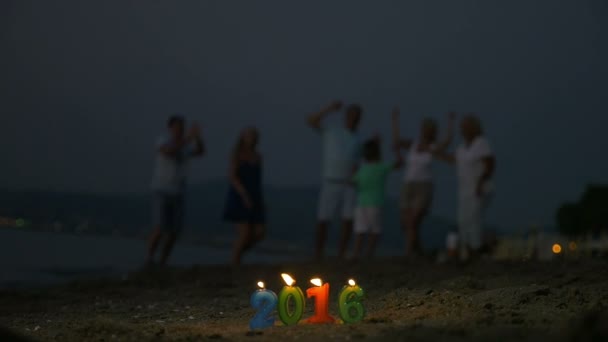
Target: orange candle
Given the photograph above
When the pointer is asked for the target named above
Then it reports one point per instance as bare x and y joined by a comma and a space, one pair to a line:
321, 294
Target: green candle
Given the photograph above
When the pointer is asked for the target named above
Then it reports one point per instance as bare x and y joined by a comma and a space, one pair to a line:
350, 308
293, 294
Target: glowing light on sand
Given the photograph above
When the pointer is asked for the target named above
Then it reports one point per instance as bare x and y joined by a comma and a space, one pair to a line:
351, 282
572, 245
316, 281
261, 284
557, 248
287, 279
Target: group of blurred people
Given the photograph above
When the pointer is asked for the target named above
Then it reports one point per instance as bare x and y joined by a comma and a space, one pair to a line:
353, 183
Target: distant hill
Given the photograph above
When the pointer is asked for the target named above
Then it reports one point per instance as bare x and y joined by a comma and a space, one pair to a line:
291, 214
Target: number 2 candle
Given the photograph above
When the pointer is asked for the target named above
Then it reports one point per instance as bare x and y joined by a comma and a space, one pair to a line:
290, 294
350, 308
321, 294
264, 301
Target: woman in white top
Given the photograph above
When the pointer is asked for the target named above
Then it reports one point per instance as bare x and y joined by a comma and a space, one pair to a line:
475, 163
417, 192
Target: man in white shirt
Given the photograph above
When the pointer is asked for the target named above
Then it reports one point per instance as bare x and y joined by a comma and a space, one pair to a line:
475, 163
341, 153
169, 183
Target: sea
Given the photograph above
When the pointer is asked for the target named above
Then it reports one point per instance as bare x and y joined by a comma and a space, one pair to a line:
39, 254
38, 258
31, 258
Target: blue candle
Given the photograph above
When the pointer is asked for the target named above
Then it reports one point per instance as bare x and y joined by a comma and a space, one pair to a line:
265, 302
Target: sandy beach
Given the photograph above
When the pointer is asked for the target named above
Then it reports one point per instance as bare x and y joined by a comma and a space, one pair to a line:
421, 301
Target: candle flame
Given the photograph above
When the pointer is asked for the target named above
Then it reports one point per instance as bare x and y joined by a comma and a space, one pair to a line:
316, 281
351, 282
287, 279
261, 284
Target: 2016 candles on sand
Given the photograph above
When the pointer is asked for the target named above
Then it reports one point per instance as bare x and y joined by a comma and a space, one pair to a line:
264, 301
291, 303
290, 294
349, 303
321, 294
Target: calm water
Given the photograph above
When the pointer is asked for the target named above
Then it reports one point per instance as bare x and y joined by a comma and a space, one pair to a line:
29, 258
37, 258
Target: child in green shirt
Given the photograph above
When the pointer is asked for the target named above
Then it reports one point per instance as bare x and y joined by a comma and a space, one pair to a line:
370, 182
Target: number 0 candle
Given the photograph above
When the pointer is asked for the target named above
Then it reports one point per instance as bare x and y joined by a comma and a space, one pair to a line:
350, 308
290, 294
321, 294
264, 301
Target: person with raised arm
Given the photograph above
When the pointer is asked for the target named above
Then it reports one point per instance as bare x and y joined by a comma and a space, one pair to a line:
341, 153
475, 164
173, 151
370, 182
417, 192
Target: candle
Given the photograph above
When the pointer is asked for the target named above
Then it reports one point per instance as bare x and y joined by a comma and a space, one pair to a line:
264, 301
321, 294
293, 294
350, 308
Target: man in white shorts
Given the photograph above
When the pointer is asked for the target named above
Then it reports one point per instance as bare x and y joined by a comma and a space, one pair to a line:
340, 158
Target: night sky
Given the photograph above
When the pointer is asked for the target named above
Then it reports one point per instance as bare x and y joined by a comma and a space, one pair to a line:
86, 87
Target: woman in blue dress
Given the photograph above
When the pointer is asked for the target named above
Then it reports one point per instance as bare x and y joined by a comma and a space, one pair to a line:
245, 203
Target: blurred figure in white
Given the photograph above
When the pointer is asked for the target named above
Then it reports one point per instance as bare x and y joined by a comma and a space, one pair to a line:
475, 163
341, 154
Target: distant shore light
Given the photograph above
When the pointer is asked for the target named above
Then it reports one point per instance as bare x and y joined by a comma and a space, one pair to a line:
557, 248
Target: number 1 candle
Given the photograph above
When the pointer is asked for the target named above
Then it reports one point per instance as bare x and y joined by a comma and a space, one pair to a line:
292, 294
264, 301
321, 294
350, 308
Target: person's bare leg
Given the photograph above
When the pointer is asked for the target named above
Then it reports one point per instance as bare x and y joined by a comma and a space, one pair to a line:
241, 242
259, 231
321, 238
169, 243
403, 222
153, 242
417, 218
358, 245
347, 231
410, 230
371, 245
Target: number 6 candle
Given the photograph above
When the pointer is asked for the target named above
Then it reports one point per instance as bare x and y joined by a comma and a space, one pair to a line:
293, 293
321, 294
349, 303
264, 301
